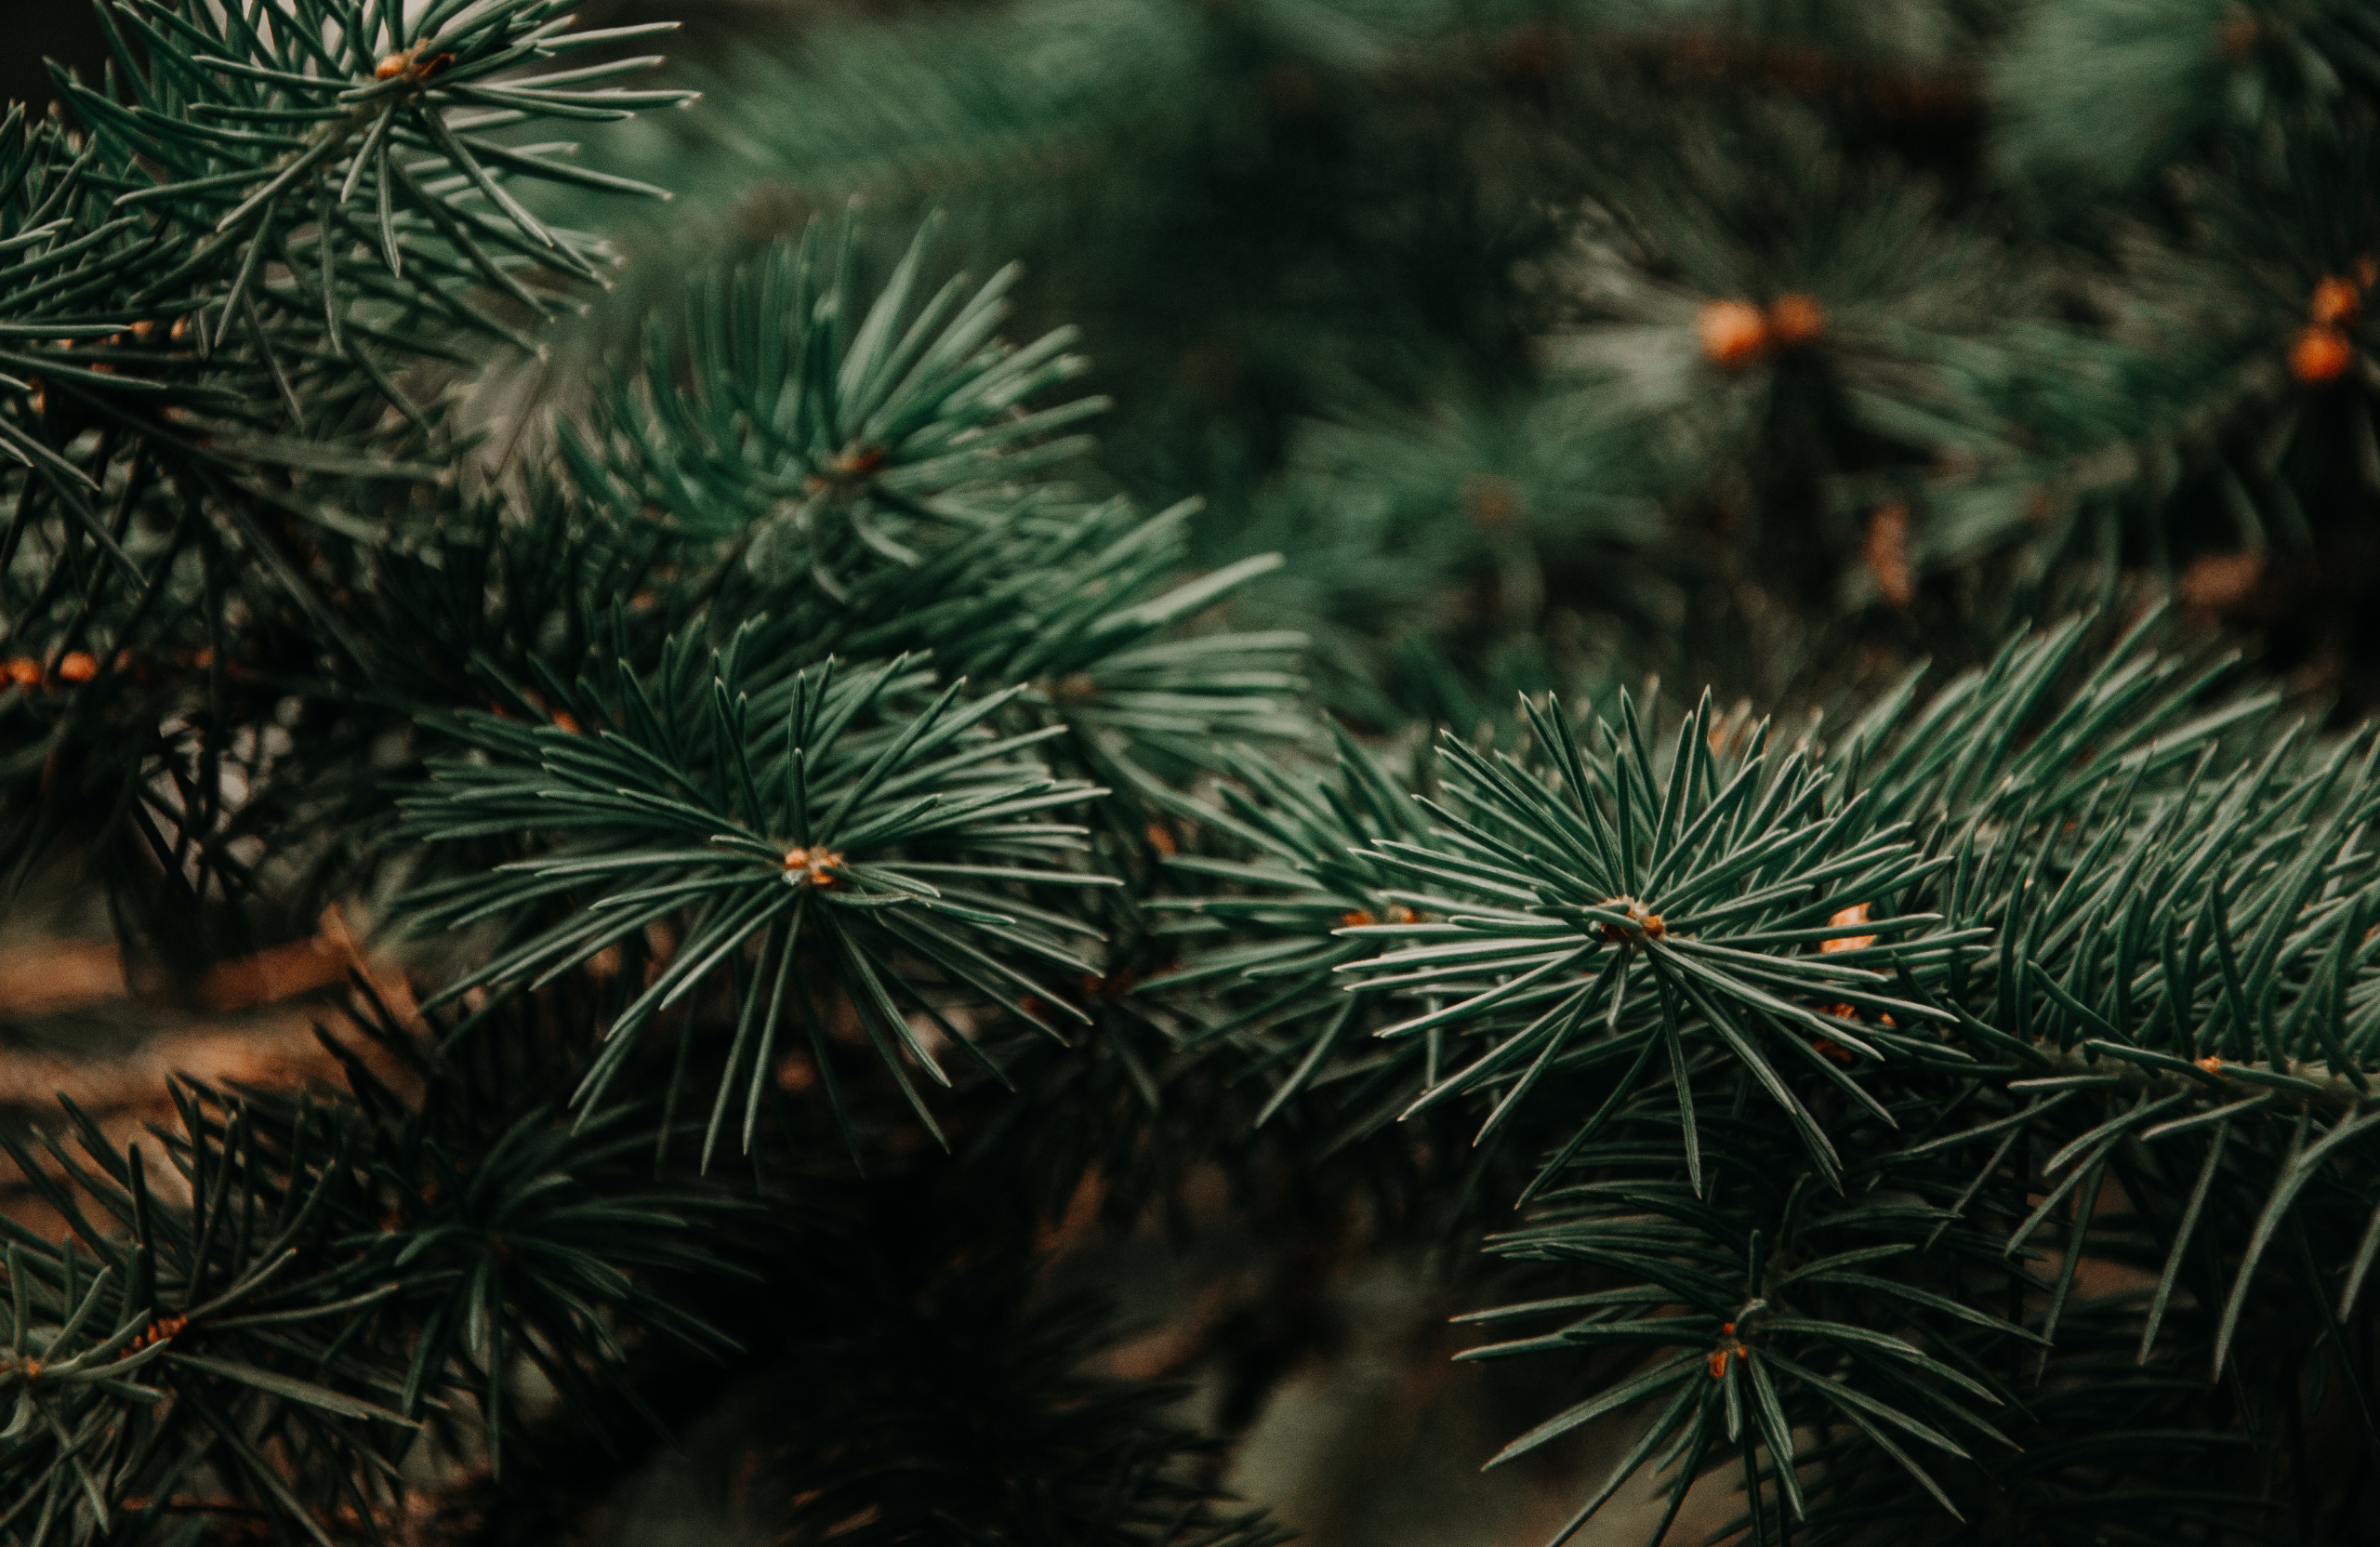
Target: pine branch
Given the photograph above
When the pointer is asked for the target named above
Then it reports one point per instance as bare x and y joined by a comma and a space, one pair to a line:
271, 1321
2091, 911
908, 860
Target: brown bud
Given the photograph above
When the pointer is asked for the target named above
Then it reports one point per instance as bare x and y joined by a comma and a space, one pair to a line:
2319, 355
1796, 320
1733, 333
1886, 550
2336, 303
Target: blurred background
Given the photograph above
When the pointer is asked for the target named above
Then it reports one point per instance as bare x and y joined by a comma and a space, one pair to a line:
1769, 342
1776, 344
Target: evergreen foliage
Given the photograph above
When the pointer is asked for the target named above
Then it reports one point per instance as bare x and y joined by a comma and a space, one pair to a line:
2066, 292
843, 830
